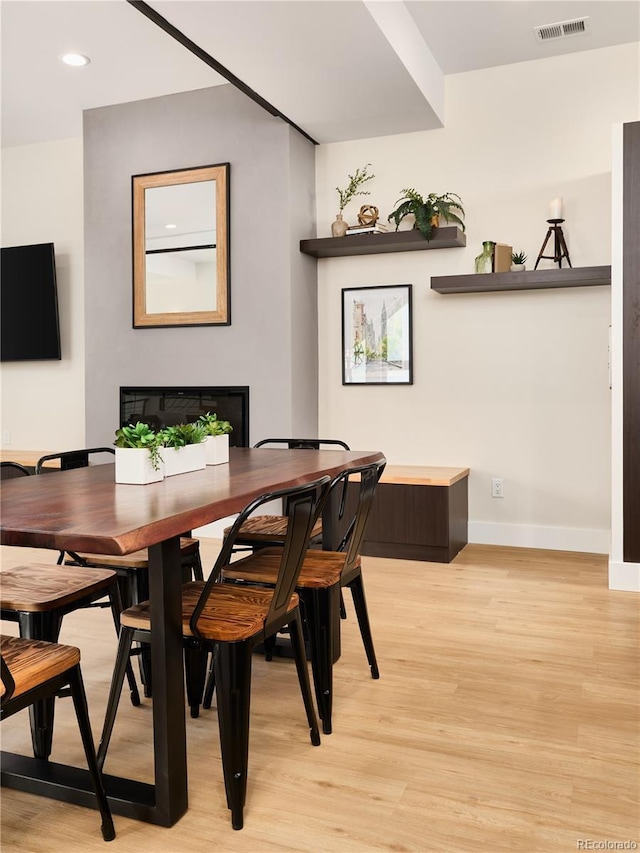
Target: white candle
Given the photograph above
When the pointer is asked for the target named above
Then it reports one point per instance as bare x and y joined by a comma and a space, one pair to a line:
555, 208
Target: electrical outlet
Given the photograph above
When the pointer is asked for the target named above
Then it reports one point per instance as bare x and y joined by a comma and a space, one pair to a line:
497, 487
6, 436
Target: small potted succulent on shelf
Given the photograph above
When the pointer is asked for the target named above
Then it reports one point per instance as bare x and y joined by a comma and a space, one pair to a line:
361, 176
428, 211
518, 260
138, 455
217, 438
184, 448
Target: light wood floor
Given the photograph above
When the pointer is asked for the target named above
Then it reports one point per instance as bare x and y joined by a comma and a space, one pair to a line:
505, 719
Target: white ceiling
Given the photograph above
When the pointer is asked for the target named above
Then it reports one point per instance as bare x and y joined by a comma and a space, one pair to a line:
339, 69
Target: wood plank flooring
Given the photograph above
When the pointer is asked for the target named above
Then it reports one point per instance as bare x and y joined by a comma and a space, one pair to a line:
506, 718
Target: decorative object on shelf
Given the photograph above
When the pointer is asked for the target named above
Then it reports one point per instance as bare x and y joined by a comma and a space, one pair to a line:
518, 260
353, 188
138, 455
184, 448
217, 440
428, 211
560, 250
484, 261
378, 228
368, 214
502, 257
377, 335
339, 226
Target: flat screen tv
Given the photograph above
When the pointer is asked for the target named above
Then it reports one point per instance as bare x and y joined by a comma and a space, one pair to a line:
29, 325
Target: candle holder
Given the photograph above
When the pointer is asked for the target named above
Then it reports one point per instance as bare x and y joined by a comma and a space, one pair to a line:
560, 250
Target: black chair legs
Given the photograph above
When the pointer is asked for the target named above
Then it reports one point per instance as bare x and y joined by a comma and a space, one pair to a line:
300, 655
121, 664
360, 603
233, 678
319, 608
82, 714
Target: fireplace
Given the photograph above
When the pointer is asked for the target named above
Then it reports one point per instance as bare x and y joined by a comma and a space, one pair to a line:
164, 406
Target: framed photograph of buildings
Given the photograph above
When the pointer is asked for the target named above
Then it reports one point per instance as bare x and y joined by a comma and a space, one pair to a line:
376, 335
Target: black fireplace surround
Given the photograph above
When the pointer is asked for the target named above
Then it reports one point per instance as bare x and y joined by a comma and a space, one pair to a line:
162, 406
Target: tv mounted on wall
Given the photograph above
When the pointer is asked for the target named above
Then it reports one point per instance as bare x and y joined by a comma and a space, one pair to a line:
29, 325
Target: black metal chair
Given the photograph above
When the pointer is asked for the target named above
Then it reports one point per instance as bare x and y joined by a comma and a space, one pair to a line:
12, 470
322, 577
229, 622
264, 531
32, 671
132, 569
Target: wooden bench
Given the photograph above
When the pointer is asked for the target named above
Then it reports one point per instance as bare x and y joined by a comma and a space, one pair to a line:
419, 513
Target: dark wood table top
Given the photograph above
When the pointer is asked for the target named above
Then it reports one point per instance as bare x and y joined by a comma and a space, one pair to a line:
85, 510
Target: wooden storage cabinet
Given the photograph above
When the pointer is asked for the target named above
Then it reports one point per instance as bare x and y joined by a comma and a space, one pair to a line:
418, 514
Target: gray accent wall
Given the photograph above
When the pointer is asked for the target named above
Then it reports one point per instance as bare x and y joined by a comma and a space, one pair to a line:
271, 344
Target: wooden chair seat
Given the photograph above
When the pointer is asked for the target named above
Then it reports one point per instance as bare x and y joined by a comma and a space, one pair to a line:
34, 669
319, 569
229, 616
32, 662
137, 559
41, 588
268, 528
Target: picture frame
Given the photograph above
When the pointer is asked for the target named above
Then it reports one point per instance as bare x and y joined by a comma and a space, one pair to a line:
377, 346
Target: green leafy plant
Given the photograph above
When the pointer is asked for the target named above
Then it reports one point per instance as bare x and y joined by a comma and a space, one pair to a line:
183, 434
213, 426
426, 210
141, 436
518, 258
356, 181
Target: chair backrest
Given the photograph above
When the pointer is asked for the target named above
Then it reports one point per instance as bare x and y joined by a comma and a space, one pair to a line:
72, 458
352, 540
7, 685
304, 443
11, 470
302, 503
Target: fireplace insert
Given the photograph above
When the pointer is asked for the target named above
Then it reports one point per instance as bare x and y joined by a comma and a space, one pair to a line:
166, 406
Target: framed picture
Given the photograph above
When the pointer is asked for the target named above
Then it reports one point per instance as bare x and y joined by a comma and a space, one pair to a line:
376, 335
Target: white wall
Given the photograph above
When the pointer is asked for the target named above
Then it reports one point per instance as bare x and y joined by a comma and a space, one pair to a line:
43, 402
512, 385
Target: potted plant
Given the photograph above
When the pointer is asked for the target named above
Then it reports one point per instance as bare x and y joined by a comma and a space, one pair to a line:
217, 438
518, 260
184, 448
361, 176
138, 456
428, 210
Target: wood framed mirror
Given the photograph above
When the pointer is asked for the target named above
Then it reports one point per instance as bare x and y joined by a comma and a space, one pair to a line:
181, 248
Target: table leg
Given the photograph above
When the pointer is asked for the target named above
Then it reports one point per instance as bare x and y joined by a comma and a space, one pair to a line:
169, 733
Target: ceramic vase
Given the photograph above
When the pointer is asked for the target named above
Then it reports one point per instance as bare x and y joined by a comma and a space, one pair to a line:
339, 227
217, 449
181, 460
134, 466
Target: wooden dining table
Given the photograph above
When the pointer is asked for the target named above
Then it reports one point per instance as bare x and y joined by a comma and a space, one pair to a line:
84, 510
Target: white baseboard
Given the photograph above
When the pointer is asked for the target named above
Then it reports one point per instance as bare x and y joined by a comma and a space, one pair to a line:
624, 576
533, 536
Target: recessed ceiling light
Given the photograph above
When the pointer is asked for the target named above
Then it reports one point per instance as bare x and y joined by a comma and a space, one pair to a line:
75, 59
171, 225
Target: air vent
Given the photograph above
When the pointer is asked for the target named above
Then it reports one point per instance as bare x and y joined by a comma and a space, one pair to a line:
562, 29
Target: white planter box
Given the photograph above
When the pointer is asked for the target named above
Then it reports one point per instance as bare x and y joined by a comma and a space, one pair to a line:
181, 460
217, 449
133, 465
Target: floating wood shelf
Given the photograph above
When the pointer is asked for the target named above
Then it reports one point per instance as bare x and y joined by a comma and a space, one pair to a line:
534, 280
448, 237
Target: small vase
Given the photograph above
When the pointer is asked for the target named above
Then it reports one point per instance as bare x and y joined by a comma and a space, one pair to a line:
518, 267
339, 227
484, 261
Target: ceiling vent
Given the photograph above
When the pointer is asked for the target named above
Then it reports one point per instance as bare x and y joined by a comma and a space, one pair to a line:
562, 29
